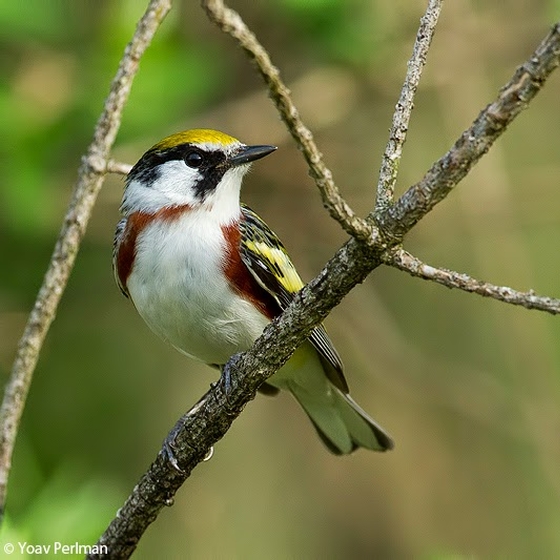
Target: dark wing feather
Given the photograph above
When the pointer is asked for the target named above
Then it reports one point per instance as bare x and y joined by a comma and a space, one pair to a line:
267, 259
329, 357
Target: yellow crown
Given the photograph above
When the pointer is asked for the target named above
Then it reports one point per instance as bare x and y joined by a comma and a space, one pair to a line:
195, 136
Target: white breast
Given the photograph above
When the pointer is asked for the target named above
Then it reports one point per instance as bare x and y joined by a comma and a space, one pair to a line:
178, 287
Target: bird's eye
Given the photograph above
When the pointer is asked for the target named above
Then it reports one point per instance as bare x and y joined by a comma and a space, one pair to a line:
193, 159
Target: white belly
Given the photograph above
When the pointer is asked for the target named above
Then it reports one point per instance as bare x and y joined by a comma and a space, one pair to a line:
178, 287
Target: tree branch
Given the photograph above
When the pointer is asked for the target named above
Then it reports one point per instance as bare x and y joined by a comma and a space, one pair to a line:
403, 110
90, 178
212, 416
403, 260
231, 23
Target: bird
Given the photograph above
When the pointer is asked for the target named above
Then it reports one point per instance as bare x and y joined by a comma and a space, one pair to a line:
207, 275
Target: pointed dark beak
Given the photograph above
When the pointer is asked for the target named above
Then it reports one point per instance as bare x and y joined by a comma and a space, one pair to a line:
247, 154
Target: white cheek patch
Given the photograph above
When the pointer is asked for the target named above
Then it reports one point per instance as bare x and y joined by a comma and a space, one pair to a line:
175, 180
171, 188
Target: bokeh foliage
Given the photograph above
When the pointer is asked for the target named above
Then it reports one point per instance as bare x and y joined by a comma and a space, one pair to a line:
468, 387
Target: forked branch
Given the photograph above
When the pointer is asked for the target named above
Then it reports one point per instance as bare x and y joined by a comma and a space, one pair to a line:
490, 124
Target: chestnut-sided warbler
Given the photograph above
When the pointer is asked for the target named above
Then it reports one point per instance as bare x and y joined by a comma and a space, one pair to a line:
207, 275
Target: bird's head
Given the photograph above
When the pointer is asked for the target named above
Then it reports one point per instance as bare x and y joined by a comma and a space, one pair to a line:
195, 168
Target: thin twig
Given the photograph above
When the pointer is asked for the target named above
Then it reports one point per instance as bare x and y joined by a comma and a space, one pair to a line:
90, 179
230, 22
403, 260
405, 104
210, 419
118, 167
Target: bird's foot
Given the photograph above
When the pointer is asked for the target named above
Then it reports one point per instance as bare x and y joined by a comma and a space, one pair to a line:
169, 447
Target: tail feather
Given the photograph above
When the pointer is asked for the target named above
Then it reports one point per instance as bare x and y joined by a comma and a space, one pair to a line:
341, 424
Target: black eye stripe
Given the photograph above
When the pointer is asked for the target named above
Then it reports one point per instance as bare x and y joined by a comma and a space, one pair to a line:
209, 164
152, 158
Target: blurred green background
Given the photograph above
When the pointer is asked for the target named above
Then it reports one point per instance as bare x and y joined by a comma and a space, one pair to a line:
468, 387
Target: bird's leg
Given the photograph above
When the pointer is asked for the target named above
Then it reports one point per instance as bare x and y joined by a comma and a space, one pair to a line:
225, 378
